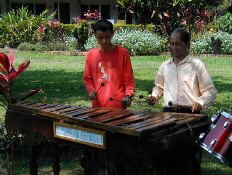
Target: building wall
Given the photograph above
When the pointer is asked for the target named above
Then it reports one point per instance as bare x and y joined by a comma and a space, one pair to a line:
3, 6
74, 5
74, 8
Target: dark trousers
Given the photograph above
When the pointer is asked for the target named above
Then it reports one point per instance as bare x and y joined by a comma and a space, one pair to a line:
180, 110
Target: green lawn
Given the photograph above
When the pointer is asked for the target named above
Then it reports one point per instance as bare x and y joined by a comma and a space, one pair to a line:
60, 77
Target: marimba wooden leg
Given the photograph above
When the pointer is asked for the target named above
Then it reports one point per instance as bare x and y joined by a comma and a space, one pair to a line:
87, 163
94, 162
98, 163
139, 167
56, 159
10, 158
33, 161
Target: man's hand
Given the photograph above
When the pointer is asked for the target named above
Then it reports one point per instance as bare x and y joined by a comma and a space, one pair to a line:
92, 95
151, 100
126, 101
196, 107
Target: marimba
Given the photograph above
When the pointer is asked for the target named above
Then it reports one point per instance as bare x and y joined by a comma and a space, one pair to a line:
123, 141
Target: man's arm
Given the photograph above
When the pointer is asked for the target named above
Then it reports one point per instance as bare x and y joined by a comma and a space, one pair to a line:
158, 88
206, 86
88, 79
128, 80
157, 91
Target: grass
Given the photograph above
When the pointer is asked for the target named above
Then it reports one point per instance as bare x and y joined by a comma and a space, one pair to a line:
60, 77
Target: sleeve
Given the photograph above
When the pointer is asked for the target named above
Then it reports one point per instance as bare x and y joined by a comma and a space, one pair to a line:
129, 81
206, 87
157, 90
88, 78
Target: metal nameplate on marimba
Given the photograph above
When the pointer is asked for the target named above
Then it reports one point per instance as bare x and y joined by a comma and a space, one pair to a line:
78, 134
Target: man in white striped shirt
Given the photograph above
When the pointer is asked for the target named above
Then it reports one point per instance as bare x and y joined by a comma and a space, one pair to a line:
183, 81
186, 86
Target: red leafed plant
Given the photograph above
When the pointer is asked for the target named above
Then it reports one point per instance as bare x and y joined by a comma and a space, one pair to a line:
8, 73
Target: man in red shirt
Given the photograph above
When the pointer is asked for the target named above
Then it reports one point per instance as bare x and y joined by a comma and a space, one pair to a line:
108, 74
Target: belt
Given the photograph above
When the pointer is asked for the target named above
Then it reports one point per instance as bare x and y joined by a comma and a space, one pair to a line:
180, 109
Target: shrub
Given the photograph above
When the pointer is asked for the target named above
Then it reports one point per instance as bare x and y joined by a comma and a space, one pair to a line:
70, 43
136, 41
69, 28
56, 45
225, 23
205, 43
19, 26
81, 33
148, 27
25, 46
53, 31
32, 47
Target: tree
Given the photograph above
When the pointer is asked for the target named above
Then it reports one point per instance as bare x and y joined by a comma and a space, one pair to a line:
171, 13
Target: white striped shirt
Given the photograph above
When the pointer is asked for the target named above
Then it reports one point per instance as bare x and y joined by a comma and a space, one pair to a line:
184, 83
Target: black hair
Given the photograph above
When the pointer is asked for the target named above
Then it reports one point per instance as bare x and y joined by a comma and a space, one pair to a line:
103, 25
184, 35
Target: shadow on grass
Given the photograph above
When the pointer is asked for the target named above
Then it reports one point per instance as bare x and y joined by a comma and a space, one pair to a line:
223, 84
144, 85
224, 99
61, 87
67, 87
57, 86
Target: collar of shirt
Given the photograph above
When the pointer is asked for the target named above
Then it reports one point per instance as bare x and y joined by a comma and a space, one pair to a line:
185, 60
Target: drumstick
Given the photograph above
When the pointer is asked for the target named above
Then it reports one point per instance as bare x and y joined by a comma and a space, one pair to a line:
29, 94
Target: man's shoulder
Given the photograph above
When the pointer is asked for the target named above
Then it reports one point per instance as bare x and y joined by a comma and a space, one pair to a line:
92, 52
196, 61
166, 62
122, 50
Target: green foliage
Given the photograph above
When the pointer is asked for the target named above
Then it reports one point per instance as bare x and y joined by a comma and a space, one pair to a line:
225, 5
148, 27
81, 33
123, 3
19, 26
136, 41
56, 45
53, 32
203, 43
193, 14
70, 43
224, 23
69, 28
32, 47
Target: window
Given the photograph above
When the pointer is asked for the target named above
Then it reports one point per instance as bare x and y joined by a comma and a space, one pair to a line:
64, 12
121, 13
105, 11
39, 8
86, 8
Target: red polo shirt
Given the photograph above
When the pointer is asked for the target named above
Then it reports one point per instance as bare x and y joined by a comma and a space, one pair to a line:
110, 74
